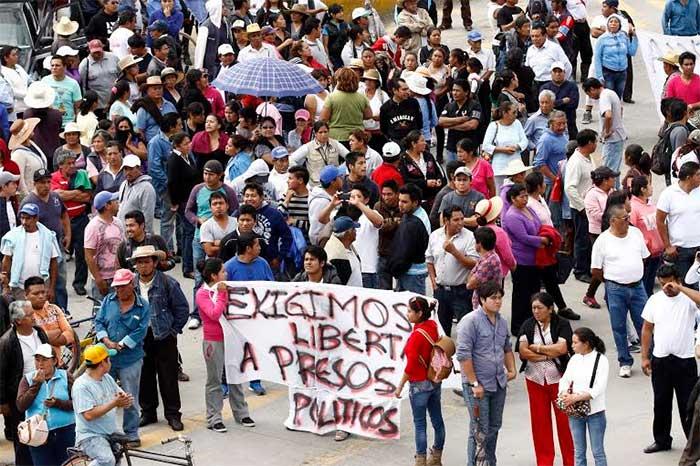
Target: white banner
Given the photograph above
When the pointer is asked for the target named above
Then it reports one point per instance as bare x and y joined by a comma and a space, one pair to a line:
338, 348
654, 46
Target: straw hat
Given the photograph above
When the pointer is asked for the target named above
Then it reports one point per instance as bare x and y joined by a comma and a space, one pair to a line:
65, 27
356, 63
169, 71
147, 251
299, 8
669, 57
490, 209
153, 81
371, 74
70, 128
21, 130
423, 71
128, 61
39, 95
514, 167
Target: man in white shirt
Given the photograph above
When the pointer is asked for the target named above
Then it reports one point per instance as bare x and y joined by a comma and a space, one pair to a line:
219, 225
669, 319
118, 40
577, 182
618, 260
677, 214
485, 56
543, 53
257, 48
612, 131
367, 242
451, 254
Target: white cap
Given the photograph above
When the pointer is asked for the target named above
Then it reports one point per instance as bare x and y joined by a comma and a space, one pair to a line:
66, 51
463, 171
359, 13
225, 49
391, 150
44, 350
131, 161
557, 64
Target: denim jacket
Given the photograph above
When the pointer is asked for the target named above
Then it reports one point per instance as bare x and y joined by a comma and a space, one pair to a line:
127, 329
169, 308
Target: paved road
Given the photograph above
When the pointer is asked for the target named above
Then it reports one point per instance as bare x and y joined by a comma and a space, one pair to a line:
270, 444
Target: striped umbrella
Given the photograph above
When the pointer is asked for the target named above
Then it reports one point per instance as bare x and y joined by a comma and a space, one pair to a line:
267, 77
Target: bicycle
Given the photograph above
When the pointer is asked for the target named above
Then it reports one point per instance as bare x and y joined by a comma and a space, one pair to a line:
76, 355
122, 451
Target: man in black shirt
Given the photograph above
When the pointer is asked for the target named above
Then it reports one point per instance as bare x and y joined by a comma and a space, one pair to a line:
103, 23
505, 18
400, 115
461, 117
137, 47
228, 246
135, 225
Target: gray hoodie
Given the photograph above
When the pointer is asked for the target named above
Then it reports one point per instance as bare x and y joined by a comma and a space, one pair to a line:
318, 200
139, 195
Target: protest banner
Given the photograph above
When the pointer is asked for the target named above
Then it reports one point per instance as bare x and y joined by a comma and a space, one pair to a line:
654, 46
338, 348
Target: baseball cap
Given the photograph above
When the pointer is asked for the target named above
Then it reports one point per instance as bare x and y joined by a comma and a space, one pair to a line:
95, 354
474, 36
30, 209
557, 64
359, 13
463, 171
95, 45
279, 152
604, 172
391, 150
122, 277
328, 174
102, 198
225, 49
41, 173
158, 25
131, 161
213, 166
44, 350
342, 224
66, 51
6, 177
238, 24
302, 114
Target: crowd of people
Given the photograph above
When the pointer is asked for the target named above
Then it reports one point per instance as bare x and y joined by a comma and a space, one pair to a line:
417, 167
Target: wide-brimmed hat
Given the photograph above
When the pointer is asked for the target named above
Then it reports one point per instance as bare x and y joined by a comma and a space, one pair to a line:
253, 28
423, 71
299, 8
65, 27
128, 61
669, 57
147, 251
169, 71
371, 74
490, 209
39, 95
153, 81
20, 131
418, 84
67, 51
356, 63
514, 167
70, 128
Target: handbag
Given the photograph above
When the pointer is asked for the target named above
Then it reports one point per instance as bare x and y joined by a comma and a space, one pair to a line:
34, 431
485, 155
579, 409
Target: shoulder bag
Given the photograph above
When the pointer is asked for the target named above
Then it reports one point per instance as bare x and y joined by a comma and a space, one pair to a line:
580, 409
34, 431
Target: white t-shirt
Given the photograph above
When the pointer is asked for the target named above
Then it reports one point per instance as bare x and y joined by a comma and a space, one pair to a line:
356, 275
145, 288
29, 344
210, 230
674, 323
620, 258
367, 244
486, 57
683, 210
609, 101
118, 42
11, 217
32, 256
678, 160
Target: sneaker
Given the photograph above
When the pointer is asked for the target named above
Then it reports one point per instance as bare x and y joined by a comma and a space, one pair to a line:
591, 302
567, 313
626, 372
247, 422
634, 349
587, 117
194, 323
218, 427
341, 435
257, 387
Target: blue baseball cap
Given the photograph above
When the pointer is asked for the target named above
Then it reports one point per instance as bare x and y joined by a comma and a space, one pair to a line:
474, 36
158, 25
103, 197
328, 174
343, 224
30, 209
279, 152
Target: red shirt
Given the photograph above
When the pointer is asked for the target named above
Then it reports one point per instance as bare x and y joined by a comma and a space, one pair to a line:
58, 181
688, 93
385, 172
216, 101
418, 347
382, 45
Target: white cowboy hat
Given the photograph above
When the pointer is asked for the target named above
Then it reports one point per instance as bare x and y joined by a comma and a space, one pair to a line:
65, 27
418, 84
70, 128
147, 251
39, 95
514, 167
127, 61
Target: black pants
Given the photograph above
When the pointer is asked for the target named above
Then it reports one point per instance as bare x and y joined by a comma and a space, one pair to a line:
526, 282
627, 94
550, 280
161, 361
77, 227
668, 375
453, 302
582, 46
582, 243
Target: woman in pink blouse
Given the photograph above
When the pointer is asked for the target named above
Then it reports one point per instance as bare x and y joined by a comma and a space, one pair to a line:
488, 211
643, 216
482, 173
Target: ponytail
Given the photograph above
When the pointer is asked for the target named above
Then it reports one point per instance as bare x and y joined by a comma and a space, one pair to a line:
586, 335
420, 304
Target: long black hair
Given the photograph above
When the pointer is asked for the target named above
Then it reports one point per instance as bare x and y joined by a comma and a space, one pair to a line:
586, 335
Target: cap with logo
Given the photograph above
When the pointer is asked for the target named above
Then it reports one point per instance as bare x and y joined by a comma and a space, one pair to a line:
302, 114
474, 36
41, 174
279, 152
122, 277
463, 171
30, 209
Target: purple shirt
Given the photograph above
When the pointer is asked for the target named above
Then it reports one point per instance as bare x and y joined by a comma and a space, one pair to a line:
523, 233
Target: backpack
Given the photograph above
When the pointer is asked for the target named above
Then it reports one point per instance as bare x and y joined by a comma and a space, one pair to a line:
662, 151
441, 354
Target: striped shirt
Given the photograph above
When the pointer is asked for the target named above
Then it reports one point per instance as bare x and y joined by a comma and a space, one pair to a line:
298, 211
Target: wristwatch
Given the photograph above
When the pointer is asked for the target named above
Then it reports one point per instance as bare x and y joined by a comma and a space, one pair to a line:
473, 384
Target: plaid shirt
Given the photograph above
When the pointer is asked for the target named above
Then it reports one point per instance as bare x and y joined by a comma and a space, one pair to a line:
487, 268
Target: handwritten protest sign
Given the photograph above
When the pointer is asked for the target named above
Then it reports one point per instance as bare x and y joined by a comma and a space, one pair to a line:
338, 348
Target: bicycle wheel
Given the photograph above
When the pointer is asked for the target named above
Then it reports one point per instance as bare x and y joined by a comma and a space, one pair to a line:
78, 459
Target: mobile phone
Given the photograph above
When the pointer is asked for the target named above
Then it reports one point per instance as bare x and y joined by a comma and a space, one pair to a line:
344, 196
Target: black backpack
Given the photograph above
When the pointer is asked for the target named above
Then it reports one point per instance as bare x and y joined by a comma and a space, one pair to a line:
662, 151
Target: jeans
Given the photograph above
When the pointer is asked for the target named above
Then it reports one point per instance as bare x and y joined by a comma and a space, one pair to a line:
61, 294
686, 257
414, 283
425, 396
167, 221
453, 302
99, 450
615, 81
386, 281
95, 291
612, 157
489, 422
54, 450
197, 255
621, 300
130, 378
582, 243
187, 236
77, 226
370, 280
651, 265
596, 431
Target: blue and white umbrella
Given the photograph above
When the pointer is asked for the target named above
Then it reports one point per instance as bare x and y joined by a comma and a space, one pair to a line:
267, 77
